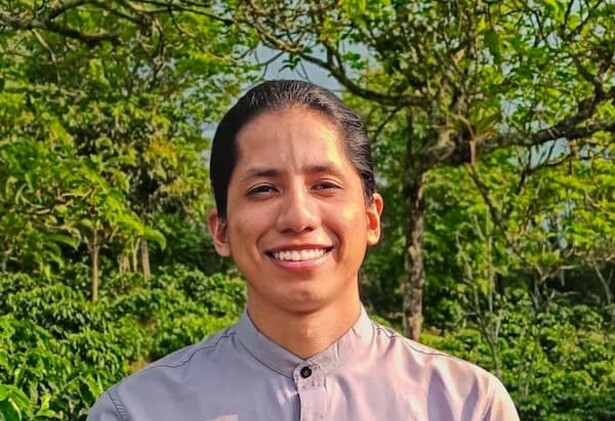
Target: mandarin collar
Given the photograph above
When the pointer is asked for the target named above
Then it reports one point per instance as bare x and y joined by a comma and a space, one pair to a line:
269, 353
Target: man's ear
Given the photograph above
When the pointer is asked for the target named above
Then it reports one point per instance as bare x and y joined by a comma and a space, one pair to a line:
374, 211
219, 231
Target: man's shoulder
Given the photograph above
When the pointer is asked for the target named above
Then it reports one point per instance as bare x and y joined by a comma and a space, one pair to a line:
442, 376
190, 367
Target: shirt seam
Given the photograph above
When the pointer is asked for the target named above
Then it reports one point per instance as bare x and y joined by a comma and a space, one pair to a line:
489, 402
118, 406
203, 347
435, 353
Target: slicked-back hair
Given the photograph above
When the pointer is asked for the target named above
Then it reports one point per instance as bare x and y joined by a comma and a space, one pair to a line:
279, 95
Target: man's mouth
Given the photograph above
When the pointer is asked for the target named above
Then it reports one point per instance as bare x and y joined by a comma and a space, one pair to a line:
299, 255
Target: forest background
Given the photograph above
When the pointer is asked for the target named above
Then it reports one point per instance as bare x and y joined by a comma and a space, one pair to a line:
493, 128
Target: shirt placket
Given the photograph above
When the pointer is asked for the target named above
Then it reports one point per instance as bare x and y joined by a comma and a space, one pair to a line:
310, 382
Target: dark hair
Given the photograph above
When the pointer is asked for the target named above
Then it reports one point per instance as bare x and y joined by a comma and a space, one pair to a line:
281, 94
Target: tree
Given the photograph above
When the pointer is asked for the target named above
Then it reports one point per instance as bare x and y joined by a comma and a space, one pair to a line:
465, 78
129, 87
51, 198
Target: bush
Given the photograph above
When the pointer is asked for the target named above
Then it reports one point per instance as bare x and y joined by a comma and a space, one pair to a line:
41, 369
58, 351
557, 363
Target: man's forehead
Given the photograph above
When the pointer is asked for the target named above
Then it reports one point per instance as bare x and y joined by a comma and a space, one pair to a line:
256, 171
258, 153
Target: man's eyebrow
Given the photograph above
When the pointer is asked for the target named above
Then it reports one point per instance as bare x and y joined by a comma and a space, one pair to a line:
324, 169
257, 172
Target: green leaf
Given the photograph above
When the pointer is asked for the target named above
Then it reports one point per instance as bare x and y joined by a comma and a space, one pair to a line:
492, 41
13, 403
156, 236
4, 392
87, 223
64, 239
20, 399
4, 362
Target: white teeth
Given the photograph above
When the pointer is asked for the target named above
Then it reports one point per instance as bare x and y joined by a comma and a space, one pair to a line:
299, 255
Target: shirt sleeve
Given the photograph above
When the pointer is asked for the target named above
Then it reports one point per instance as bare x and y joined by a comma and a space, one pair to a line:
501, 407
107, 409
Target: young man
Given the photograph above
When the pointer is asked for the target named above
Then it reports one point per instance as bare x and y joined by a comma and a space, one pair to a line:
292, 175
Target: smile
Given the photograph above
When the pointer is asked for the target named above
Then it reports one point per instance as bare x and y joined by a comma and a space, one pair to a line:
299, 255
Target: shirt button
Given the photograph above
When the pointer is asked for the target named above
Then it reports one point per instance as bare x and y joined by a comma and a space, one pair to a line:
306, 372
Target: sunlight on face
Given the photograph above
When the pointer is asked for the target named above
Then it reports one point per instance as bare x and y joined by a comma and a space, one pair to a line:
297, 222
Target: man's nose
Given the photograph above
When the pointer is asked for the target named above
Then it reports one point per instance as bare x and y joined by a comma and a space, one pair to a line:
298, 211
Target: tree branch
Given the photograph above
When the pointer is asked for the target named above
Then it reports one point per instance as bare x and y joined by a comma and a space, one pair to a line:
63, 8
498, 221
134, 14
139, 21
563, 130
190, 6
52, 56
46, 25
376, 134
89, 39
332, 63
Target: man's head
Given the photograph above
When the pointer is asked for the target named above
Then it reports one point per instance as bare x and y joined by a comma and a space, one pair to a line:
291, 170
279, 95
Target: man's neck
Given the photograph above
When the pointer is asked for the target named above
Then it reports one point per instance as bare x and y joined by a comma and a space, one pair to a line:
305, 334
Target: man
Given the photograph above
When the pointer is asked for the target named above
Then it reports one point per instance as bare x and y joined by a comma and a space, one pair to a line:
296, 209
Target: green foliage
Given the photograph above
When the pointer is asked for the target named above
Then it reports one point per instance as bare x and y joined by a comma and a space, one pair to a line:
519, 217
41, 367
187, 244
103, 135
557, 361
59, 351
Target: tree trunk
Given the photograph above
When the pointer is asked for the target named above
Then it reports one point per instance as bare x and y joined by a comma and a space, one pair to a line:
414, 203
134, 251
145, 259
606, 283
94, 251
414, 207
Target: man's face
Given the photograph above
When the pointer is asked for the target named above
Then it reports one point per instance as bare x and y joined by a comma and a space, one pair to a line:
297, 223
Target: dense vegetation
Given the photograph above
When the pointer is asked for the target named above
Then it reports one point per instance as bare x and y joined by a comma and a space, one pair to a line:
59, 350
493, 129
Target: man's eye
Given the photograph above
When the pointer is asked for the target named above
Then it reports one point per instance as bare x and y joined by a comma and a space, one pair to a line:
264, 188
325, 185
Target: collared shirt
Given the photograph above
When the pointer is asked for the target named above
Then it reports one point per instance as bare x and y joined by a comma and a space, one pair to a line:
370, 373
